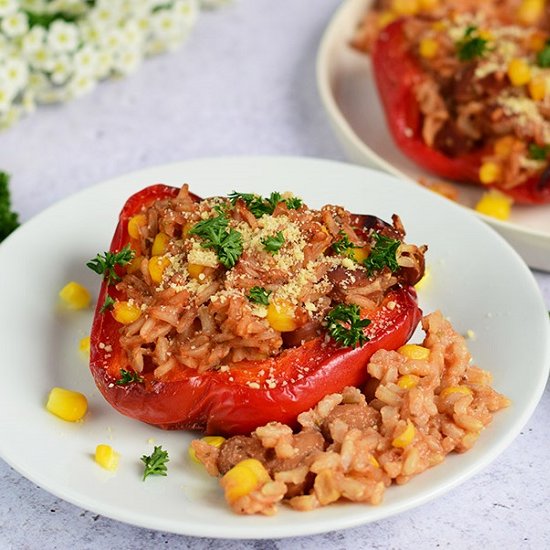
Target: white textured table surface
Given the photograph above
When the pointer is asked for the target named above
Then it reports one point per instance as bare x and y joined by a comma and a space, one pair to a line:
244, 84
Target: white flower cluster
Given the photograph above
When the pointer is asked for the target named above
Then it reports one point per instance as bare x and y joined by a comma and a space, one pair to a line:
56, 50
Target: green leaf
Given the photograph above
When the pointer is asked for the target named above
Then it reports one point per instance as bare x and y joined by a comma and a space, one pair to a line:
345, 326
343, 246
9, 221
294, 203
155, 464
260, 206
107, 304
538, 152
382, 254
471, 45
274, 244
543, 57
105, 264
259, 295
128, 377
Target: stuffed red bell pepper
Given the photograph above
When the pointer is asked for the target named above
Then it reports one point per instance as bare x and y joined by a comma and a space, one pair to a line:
469, 100
227, 313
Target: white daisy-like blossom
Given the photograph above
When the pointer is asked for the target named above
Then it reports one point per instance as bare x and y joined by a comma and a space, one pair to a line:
57, 50
63, 37
15, 24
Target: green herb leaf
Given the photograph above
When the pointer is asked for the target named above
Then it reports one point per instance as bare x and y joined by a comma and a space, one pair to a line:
543, 57
8, 220
128, 377
155, 464
228, 244
259, 295
383, 254
538, 152
471, 45
107, 304
273, 244
345, 326
343, 246
294, 203
104, 264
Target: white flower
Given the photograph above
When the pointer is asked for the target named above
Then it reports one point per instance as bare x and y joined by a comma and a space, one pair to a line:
8, 7
28, 104
164, 24
9, 117
15, 73
41, 59
38, 82
126, 61
15, 24
132, 33
104, 63
63, 37
188, 10
113, 39
34, 39
62, 69
85, 60
6, 95
80, 85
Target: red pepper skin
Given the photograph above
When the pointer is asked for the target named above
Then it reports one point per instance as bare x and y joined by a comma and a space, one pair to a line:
397, 71
224, 402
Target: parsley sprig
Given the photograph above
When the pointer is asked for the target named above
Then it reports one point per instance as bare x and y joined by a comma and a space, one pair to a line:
345, 326
8, 220
273, 244
128, 377
543, 57
471, 45
259, 295
155, 464
107, 304
215, 233
344, 246
259, 205
383, 254
538, 152
105, 264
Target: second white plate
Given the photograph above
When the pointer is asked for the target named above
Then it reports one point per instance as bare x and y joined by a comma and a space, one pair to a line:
350, 98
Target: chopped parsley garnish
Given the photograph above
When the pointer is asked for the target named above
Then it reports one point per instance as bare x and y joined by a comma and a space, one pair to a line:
343, 246
472, 45
8, 220
382, 254
128, 377
260, 206
345, 326
155, 465
274, 244
538, 152
543, 57
259, 295
215, 233
107, 304
105, 264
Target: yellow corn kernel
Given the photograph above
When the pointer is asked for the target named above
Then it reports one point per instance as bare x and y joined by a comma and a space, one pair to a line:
537, 88
424, 281
160, 244
126, 312
67, 404
486, 34
455, 389
213, 440
107, 457
489, 172
385, 18
439, 26
195, 270
503, 146
374, 462
244, 478
407, 381
428, 48
75, 296
406, 437
495, 204
84, 345
360, 254
405, 7
135, 223
280, 316
519, 72
414, 351
428, 5
134, 265
530, 11
157, 265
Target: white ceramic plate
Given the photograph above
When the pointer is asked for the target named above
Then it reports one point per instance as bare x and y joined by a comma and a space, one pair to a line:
39, 343
350, 98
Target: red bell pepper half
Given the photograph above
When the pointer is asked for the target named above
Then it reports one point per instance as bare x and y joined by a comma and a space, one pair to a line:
397, 71
224, 402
